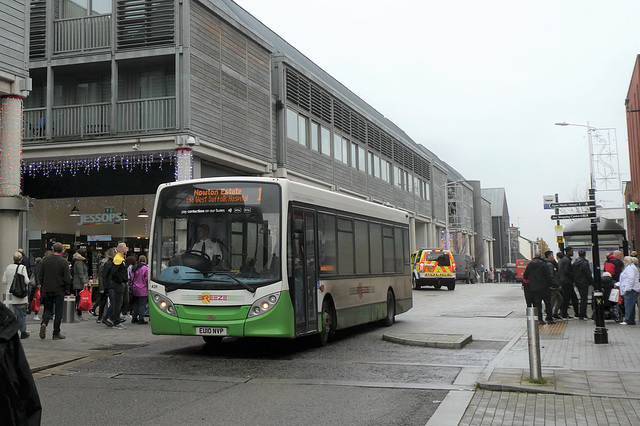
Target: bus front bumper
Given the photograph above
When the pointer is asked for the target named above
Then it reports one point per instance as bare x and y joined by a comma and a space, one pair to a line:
278, 322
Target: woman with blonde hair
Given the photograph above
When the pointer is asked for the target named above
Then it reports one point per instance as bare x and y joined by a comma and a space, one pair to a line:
18, 304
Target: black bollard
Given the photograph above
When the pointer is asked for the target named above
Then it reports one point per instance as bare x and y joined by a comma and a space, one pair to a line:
600, 333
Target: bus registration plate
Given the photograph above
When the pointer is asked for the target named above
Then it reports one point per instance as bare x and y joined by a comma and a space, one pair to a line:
211, 331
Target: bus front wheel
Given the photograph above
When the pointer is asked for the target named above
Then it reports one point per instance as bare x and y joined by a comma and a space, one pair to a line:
328, 317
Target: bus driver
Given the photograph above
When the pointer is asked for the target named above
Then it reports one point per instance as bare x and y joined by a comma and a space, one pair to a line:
205, 245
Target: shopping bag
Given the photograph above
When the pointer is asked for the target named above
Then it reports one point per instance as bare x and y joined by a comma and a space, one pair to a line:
35, 302
85, 303
614, 295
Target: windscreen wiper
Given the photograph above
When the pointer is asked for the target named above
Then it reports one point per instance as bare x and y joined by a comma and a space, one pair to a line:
232, 276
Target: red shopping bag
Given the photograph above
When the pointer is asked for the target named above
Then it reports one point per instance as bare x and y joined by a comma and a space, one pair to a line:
35, 302
85, 303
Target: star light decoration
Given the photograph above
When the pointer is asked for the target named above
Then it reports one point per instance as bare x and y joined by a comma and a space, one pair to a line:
87, 166
632, 206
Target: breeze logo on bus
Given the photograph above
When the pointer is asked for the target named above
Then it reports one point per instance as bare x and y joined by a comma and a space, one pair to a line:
206, 298
361, 290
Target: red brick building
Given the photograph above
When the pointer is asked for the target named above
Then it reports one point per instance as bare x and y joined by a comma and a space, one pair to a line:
632, 191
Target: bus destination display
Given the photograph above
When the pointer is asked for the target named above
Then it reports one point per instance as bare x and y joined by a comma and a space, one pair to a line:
224, 196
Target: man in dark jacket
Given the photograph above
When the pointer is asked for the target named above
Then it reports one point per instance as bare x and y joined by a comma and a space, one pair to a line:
540, 280
55, 278
556, 295
566, 279
116, 278
584, 278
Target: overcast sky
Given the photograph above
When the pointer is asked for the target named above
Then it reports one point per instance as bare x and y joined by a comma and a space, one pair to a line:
481, 83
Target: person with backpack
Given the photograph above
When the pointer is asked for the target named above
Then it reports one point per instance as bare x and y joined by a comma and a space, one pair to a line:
18, 304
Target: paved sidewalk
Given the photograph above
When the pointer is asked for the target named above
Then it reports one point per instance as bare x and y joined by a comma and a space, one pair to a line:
588, 383
86, 341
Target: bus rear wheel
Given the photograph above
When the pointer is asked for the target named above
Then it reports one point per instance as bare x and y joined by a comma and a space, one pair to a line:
328, 318
391, 310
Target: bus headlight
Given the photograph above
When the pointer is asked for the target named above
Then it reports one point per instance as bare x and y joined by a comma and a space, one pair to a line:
263, 305
164, 304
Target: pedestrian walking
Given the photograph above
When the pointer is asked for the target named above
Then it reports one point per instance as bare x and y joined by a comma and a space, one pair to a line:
99, 308
56, 279
629, 288
566, 279
584, 279
18, 304
80, 277
115, 281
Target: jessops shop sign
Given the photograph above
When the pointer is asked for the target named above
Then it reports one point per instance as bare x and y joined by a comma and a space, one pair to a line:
109, 218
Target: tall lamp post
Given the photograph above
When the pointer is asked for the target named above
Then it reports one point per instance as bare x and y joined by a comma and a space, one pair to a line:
600, 335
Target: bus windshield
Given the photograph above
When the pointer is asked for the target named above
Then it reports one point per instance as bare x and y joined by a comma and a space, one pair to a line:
217, 236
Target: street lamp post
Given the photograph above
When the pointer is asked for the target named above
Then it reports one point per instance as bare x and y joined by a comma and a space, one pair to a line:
600, 333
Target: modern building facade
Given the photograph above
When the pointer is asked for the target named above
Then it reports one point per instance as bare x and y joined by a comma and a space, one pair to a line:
128, 95
14, 87
499, 225
632, 189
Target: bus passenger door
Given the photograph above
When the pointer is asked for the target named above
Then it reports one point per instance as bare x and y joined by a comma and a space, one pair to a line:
304, 277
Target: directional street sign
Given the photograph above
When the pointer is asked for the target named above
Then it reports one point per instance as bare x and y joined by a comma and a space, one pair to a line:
573, 204
572, 216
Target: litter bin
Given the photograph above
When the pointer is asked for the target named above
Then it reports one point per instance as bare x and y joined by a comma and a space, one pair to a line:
69, 309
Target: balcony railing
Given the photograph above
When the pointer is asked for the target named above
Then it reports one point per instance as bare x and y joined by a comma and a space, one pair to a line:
147, 115
81, 34
88, 120
34, 123
82, 120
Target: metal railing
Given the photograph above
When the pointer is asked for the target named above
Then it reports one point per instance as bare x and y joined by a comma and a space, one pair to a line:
82, 120
133, 116
80, 34
142, 115
34, 123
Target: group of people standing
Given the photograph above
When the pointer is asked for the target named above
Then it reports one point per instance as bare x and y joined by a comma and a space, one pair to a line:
123, 286
119, 277
553, 282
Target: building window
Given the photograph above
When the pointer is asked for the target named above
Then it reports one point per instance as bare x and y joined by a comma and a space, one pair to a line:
354, 156
341, 149
315, 136
81, 8
325, 141
397, 177
296, 127
362, 159
408, 182
384, 171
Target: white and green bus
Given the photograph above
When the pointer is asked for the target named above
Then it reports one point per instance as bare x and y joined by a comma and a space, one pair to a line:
267, 257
